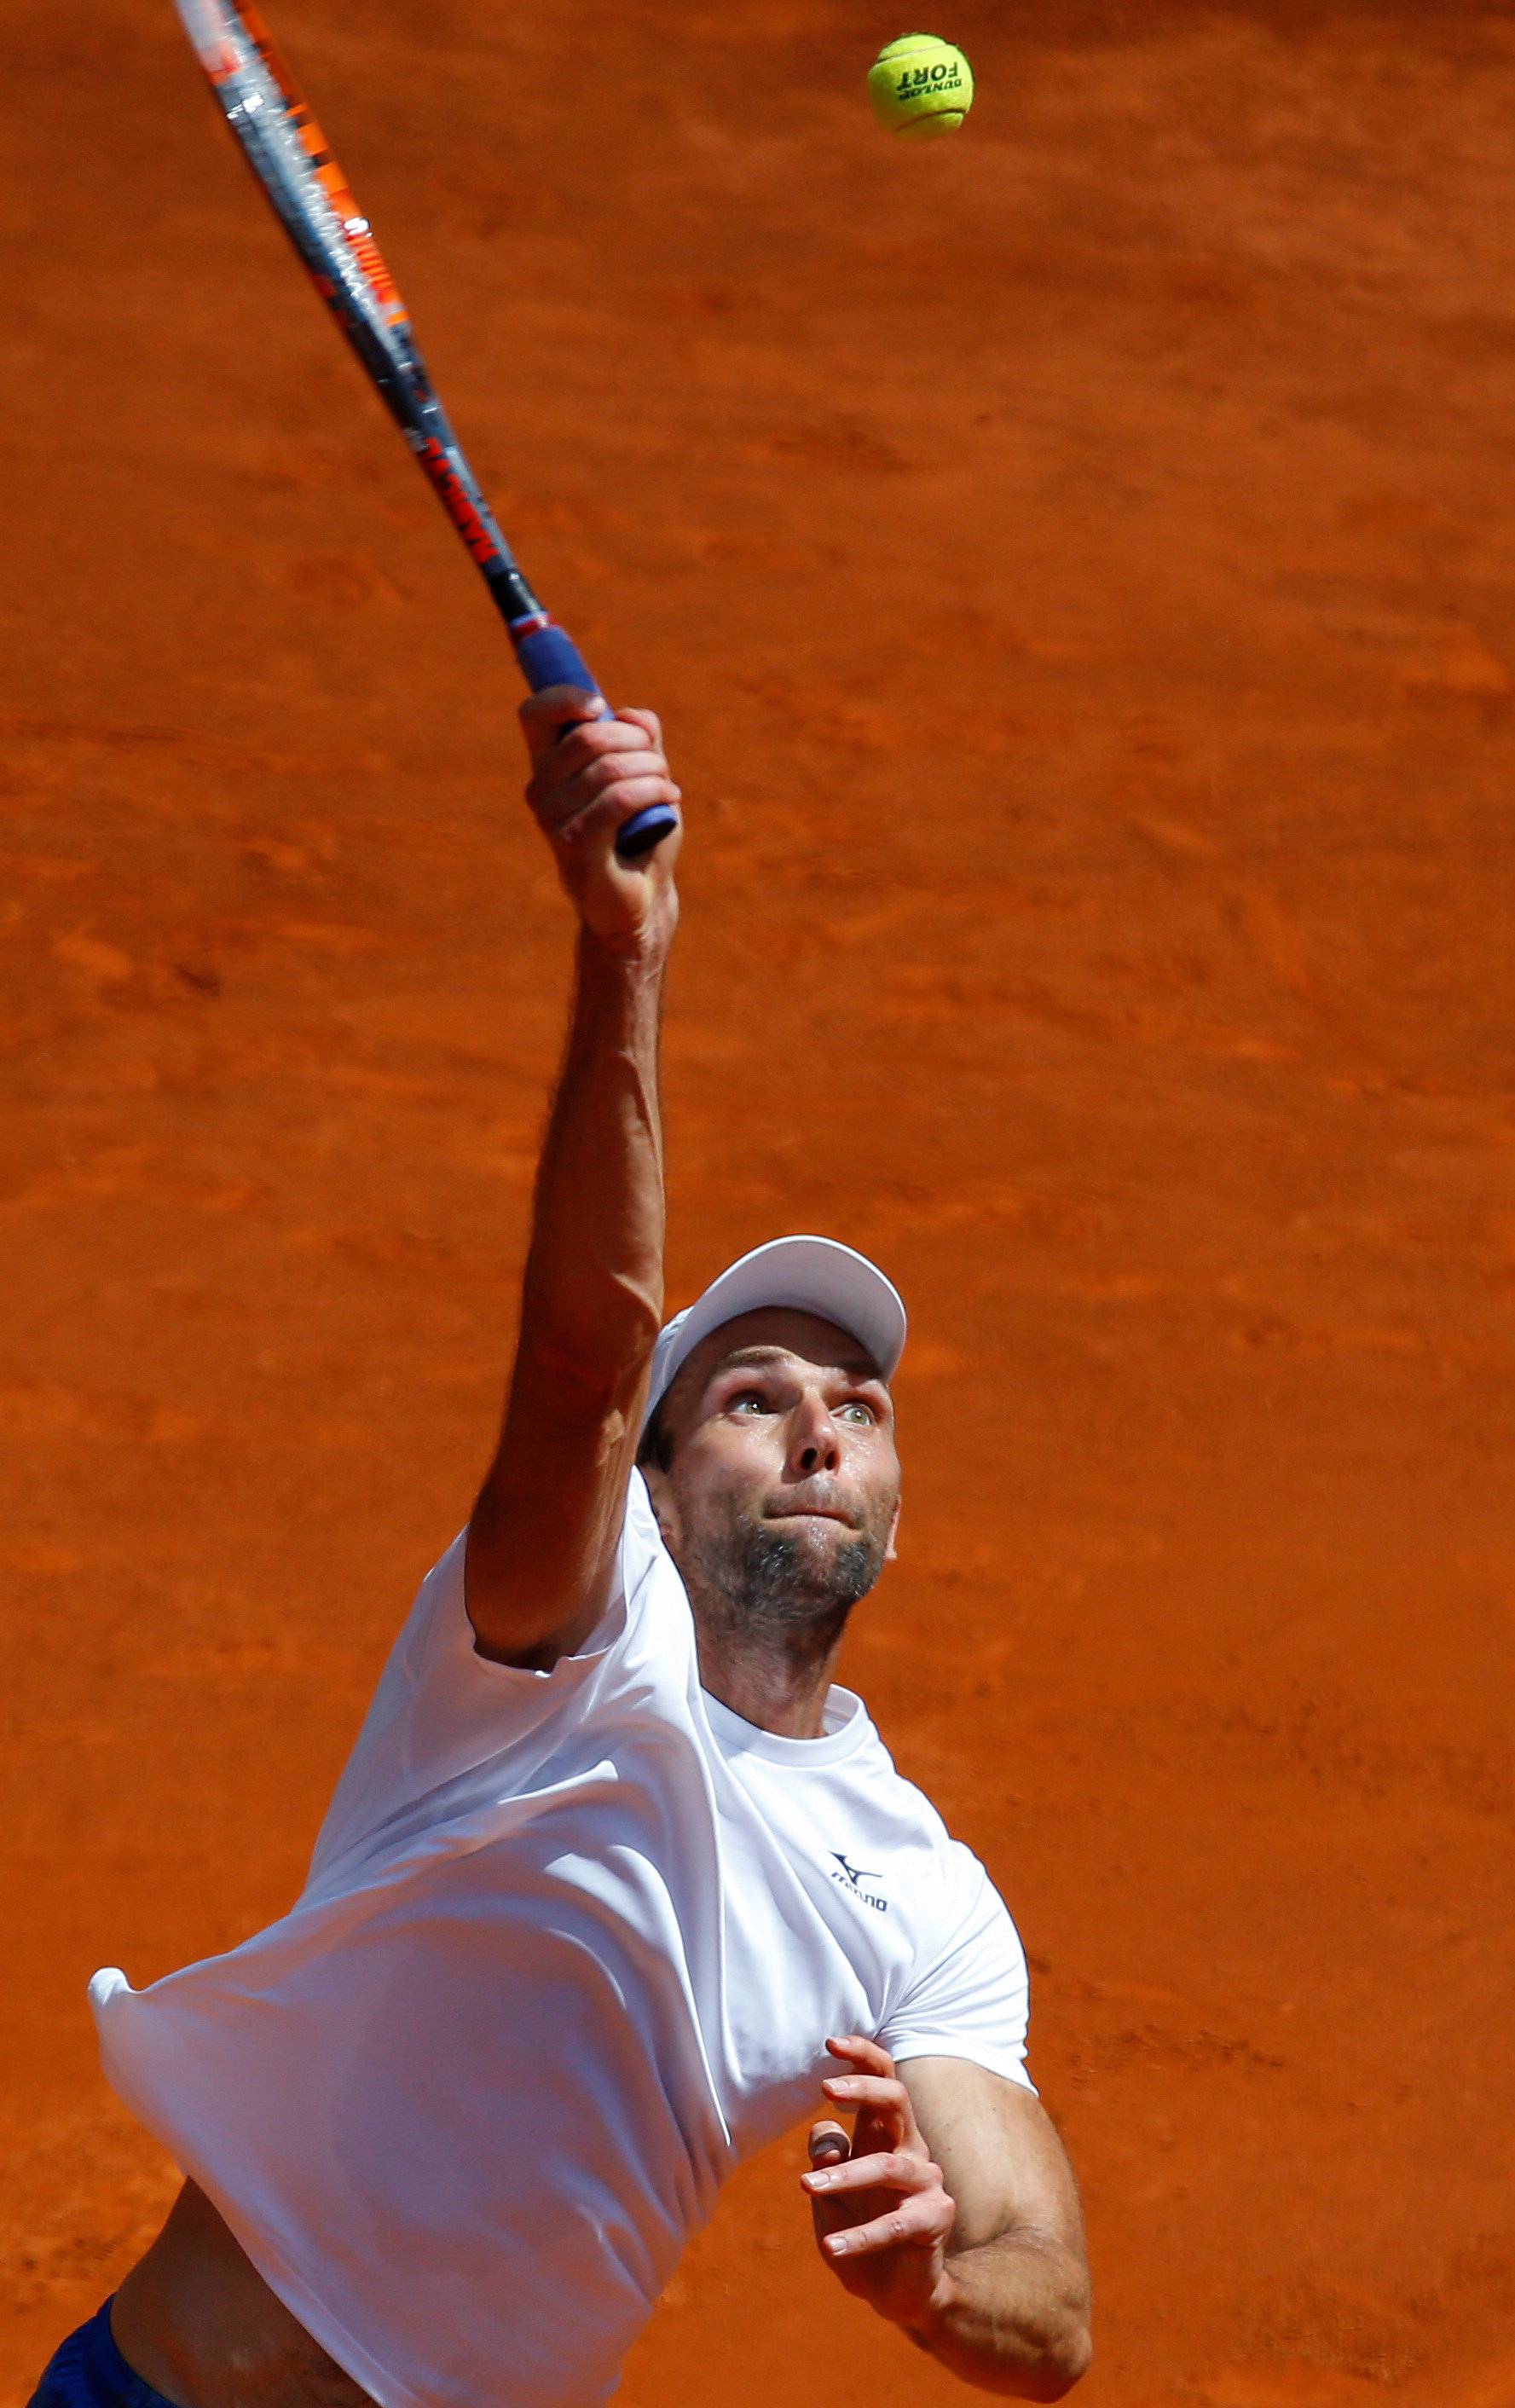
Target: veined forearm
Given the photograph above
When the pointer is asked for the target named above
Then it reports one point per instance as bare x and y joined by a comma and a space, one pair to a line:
592, 1300
544, 1528
1011, 2317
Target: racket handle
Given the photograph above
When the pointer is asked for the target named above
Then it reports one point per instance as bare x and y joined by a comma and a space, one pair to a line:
550, 656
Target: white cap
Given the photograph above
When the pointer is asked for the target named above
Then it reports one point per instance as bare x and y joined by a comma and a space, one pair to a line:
809, 1275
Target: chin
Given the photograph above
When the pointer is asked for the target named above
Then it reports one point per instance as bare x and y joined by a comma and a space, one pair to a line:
812, 1534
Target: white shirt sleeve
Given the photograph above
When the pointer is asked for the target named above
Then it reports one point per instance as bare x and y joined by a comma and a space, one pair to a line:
442, 1710
970, 1998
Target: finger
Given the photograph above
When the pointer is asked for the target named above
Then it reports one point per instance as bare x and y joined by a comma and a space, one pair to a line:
556, 806
544, 715
588, 739
572, 772
648, 721
921, 2222
586, 744
888, 2170
828, 2146
608, 768
867, 2091
865, 2054
885, 2119
611, 811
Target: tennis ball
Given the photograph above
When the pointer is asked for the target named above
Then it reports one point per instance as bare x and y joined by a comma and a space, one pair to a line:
919, 86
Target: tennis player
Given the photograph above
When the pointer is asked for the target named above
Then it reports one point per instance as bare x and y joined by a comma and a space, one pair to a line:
616, 1882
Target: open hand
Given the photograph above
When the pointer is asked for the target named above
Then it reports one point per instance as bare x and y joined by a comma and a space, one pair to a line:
881, 2214
586, 783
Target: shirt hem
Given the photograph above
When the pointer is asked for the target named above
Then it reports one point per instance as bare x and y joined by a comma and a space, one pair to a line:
325, 2329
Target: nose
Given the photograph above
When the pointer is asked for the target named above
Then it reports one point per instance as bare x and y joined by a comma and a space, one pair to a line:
813, 1442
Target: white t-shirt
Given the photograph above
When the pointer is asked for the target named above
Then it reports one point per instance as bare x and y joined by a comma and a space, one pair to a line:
570, 1948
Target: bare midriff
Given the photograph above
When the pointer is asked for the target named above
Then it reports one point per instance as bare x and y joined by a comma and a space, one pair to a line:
196, 2320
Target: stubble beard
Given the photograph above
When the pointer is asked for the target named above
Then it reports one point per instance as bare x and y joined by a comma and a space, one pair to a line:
778, 1587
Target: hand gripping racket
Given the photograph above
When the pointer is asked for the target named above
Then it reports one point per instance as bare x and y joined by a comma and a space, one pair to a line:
288, 154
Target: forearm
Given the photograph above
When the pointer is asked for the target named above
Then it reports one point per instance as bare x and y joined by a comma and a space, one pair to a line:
1011, 2317
549, 1511
543, 1531
592, 1300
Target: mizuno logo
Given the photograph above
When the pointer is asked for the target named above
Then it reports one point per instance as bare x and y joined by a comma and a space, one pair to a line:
852, 1878
855, 1873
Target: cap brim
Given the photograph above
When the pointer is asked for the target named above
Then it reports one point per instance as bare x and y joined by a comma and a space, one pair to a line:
807, 1275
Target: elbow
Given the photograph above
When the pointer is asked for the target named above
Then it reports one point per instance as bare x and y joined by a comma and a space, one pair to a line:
1068, 2363
1028, 2333
1068, 2355
1054, 2350
601, 1332
1044, 2364
598, 1367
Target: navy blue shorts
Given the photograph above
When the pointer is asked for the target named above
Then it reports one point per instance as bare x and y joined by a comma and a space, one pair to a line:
88, 2371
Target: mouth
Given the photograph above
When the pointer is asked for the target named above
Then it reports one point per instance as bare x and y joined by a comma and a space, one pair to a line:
811, 1513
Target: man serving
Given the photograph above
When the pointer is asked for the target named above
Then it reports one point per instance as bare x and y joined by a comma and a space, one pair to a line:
616, 1882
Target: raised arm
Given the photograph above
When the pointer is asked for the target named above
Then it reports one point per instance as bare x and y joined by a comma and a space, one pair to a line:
545, 1528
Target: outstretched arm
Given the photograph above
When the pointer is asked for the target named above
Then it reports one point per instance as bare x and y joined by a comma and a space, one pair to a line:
952, 2211
545, 1528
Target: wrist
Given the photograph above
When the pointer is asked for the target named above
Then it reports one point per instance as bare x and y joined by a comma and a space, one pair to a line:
640, 955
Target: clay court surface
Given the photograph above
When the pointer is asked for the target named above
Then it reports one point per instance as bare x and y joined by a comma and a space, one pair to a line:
1074, 565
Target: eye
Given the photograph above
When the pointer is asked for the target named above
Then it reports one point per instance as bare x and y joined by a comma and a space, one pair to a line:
856, 1410
748, 1401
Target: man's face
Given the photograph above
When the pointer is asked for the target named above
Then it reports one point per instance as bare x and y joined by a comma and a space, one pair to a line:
782, 1493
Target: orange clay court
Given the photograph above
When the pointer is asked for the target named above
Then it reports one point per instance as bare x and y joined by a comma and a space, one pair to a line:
1074, 562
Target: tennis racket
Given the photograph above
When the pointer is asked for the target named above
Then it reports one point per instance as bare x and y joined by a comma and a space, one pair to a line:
288, 154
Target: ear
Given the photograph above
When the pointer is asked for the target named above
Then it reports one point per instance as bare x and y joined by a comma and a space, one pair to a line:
660, 1490
890, 1550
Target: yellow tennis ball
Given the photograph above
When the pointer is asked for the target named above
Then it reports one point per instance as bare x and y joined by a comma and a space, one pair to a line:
920, 86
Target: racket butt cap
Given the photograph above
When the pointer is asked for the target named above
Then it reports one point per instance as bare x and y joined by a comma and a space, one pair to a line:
647, 829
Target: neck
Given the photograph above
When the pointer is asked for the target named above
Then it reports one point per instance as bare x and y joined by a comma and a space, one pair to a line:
777, 1680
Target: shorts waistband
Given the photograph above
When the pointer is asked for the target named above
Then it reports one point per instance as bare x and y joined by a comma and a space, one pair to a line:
111, 2381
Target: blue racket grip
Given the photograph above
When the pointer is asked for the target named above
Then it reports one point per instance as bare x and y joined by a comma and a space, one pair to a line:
550, 656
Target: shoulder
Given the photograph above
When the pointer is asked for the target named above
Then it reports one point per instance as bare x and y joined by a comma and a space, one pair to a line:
644, 1606
966, 1993
446, 1710
952, 1891
914, 1818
